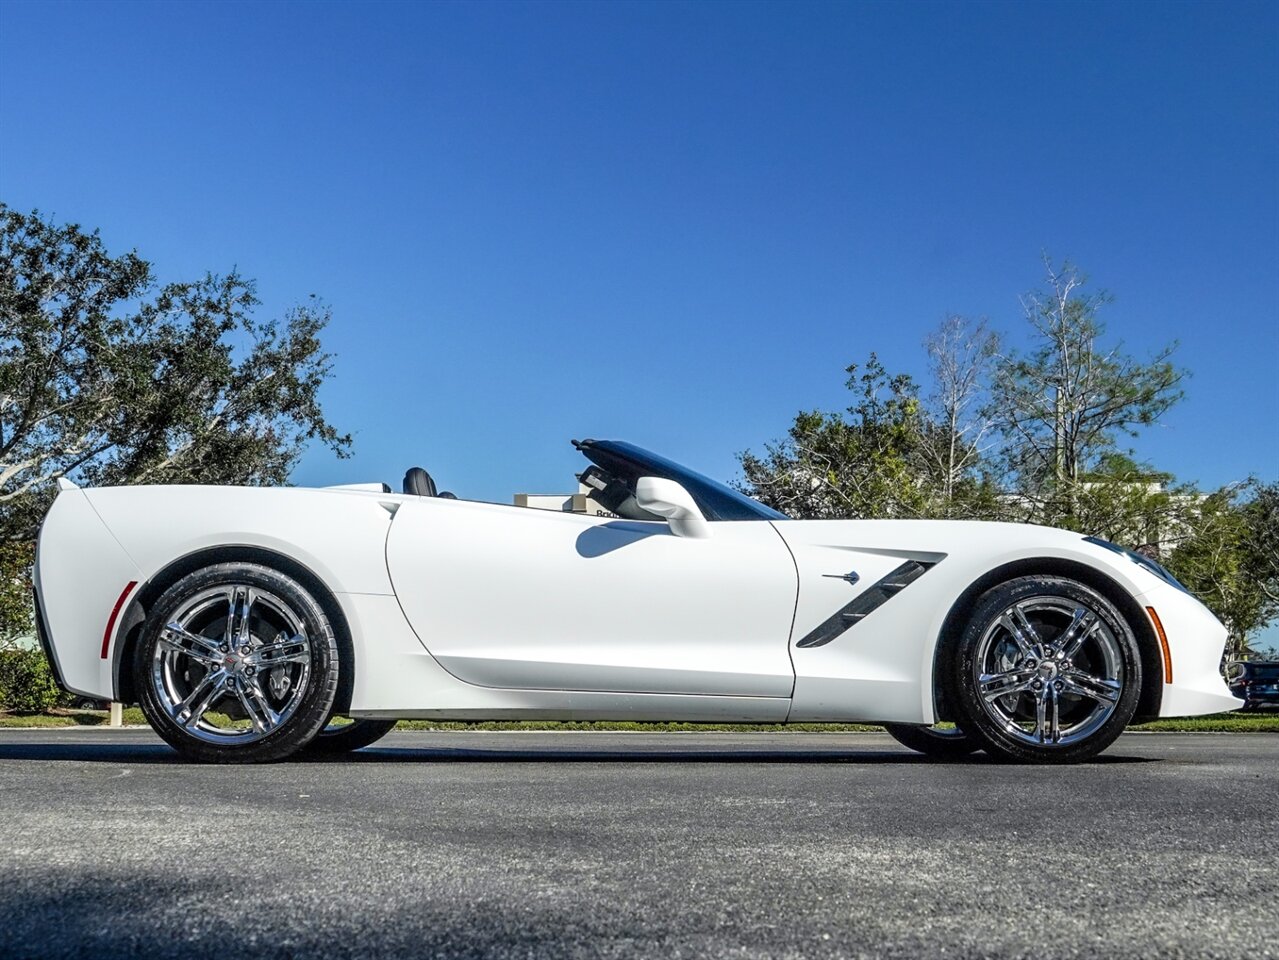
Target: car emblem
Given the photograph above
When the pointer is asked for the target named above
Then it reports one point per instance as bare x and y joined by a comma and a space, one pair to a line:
852, 576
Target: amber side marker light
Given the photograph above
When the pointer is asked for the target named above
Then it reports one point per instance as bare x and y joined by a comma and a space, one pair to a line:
1163, 642
109, 632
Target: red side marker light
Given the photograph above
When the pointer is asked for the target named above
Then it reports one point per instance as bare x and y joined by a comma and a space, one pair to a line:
109, 632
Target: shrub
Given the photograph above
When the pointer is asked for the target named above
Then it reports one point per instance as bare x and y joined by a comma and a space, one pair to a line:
26, 682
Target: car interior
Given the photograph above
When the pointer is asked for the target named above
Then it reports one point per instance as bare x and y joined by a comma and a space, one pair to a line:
608, 491
611, 480
418, 483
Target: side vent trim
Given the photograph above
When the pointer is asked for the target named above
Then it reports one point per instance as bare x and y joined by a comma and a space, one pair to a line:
866, 602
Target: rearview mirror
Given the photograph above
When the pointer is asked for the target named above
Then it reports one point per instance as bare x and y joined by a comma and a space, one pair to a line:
668, 499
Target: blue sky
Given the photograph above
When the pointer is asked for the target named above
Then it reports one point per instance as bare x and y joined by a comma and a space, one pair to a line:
672, 223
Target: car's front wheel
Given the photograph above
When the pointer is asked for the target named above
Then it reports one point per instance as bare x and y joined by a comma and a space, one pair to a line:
237, 664
1046, 671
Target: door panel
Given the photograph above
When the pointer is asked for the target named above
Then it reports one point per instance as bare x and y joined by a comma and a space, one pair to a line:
536, 599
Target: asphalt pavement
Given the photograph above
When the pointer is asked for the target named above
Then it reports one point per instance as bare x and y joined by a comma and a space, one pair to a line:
615, 845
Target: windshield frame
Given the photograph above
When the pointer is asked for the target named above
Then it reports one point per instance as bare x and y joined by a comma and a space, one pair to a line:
716, 500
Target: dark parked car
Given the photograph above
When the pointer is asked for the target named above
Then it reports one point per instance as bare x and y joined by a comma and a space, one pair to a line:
1256, 682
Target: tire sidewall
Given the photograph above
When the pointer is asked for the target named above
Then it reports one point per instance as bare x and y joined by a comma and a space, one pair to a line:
999, 743
316, 703
353, 736
932, 743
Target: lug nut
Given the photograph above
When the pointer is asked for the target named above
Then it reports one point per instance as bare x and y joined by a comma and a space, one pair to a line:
1037, 685
1058, 685
1031, 664
249, 671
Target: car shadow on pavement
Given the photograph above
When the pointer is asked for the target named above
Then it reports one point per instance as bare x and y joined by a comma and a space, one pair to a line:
159, 753
689, 755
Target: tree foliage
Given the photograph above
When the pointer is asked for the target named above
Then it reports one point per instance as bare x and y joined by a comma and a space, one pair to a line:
1067, 402
1130, 503
26, 682
836, 465
1229, 558
877, 459
1032, 437
961, 355
108, 377
16, 557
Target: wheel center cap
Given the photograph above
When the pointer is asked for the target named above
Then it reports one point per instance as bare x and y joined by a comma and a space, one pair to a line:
230, 662
1047, 670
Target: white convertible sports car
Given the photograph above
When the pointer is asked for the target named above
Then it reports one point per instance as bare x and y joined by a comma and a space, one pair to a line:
244, 620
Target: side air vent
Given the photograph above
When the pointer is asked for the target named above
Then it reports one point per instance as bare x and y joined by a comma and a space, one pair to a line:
865, 603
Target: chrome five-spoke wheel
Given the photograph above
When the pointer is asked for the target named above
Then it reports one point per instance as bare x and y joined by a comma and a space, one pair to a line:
237, 663
232, 664
1048, 670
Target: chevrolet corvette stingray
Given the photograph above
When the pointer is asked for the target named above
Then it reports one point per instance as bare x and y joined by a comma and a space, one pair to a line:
244, 620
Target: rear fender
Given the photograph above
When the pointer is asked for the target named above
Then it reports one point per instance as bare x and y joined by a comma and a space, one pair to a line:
83, 578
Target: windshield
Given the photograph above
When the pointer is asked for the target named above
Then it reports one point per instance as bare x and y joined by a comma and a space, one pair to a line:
627, 463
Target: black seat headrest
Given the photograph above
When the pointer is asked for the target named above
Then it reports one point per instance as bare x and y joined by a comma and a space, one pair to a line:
418, 483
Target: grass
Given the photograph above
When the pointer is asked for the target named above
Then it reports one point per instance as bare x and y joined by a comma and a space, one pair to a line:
1217, 723
1259, 722
58, 717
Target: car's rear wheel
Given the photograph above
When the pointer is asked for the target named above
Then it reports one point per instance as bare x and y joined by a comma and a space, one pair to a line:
237, 664
941, 743
341, 735
1046, 671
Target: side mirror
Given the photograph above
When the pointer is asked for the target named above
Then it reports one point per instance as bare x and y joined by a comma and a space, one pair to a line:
668, 499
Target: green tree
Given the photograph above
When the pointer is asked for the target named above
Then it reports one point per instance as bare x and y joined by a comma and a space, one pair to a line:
26, 682
108, 377
1065, 404
15, 592
1133, 504
1229, 558
865, 463
957, 423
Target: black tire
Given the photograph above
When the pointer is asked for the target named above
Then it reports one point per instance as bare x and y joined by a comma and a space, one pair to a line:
237, 638
336, 739
1067, 661
951, 744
